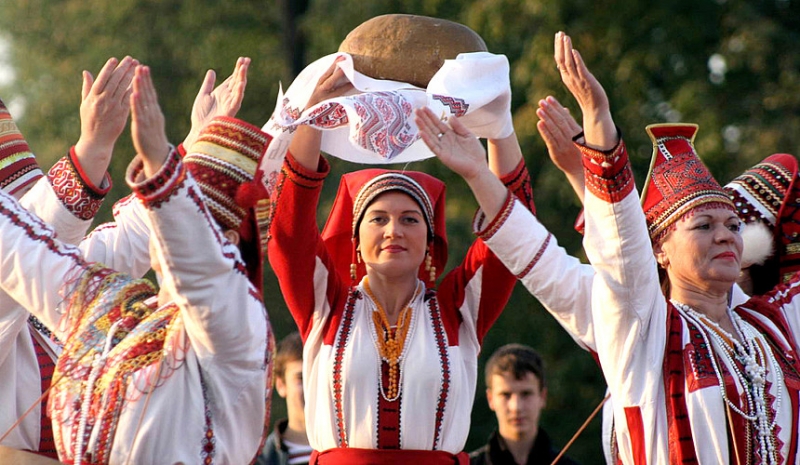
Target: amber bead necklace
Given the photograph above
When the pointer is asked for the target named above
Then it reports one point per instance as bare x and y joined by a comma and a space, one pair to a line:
391, 342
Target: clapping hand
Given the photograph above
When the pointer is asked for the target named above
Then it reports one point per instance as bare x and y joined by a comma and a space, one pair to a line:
224, 100
558, 129
104, 111
147, 123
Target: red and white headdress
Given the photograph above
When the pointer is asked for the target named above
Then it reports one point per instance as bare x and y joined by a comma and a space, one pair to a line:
358, 189
18, 167
765, 196
678, 180
223, 162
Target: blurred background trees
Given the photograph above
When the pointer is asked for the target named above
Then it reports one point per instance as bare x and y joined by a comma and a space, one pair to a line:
733, 66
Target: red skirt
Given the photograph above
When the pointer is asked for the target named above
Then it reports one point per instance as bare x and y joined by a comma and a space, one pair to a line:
351, 456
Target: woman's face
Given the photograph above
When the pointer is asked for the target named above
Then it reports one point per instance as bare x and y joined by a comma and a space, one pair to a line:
704, 250
393, 236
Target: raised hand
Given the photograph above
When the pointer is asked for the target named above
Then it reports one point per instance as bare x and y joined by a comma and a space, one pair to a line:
307, 140
104, 112
452, 143
558, 128
462, 152
224, 100
333, 83
598, 124
147, 123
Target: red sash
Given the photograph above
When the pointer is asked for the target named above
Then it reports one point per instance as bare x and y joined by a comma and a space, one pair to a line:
352, 456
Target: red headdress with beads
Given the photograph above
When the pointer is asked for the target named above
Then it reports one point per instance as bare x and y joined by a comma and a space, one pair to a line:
678, 181
358, 189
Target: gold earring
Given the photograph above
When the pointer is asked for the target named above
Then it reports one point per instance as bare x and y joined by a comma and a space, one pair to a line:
429, 267
353, 271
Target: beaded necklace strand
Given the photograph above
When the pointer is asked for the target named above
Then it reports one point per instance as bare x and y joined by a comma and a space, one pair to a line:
754, 355
391, 343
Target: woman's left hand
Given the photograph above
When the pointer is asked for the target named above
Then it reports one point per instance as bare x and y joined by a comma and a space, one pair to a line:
452, 143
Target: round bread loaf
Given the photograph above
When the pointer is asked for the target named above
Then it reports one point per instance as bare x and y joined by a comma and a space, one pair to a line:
408, 48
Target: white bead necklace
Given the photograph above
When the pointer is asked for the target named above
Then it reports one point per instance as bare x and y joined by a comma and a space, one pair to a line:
402, 358
754, 354
97, 364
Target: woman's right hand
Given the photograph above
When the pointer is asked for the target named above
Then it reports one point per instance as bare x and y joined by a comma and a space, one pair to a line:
333, 83
558, 129
307, 140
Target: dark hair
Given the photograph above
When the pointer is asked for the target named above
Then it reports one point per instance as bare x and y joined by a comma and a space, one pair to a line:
290, 349
517, 360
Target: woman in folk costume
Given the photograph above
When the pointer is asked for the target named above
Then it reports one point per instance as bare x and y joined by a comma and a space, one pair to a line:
765, 197
67, 199
138, 365
694, 377
390, 362
764, 200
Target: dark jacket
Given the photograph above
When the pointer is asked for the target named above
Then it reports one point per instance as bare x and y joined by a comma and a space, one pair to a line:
275, 451
495, 452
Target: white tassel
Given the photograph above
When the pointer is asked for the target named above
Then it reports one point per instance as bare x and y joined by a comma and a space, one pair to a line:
758, 244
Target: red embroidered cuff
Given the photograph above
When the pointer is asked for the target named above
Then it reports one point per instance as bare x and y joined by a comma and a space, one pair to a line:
162, 185
608, 173
498, 221
302, 176
518, 181
101, 191
70, 185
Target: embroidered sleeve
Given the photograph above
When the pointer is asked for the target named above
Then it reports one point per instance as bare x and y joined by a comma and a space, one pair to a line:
486, 231
608, 173
303, 177
161, 186
74, 189
518, 181
561, 282
295, 245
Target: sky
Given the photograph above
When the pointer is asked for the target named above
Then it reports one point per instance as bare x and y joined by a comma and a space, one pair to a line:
15, 105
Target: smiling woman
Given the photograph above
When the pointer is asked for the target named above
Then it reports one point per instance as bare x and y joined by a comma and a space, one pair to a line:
390, 361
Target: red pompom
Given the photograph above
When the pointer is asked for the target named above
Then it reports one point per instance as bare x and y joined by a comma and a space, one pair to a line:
249, 193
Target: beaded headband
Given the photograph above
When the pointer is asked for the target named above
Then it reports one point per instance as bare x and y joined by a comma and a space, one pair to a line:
392, 182
759, 192
678, 180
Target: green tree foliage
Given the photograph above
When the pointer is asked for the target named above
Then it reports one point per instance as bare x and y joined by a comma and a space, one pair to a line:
733, 66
